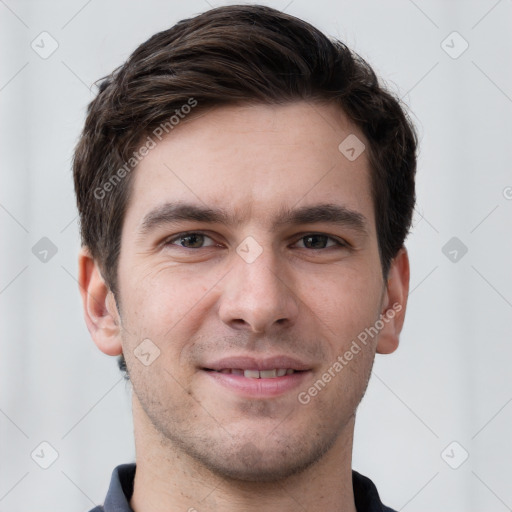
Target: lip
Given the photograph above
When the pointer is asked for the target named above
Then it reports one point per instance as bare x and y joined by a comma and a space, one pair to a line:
253, 363
257, 388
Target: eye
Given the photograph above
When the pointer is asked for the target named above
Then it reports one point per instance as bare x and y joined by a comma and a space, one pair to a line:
198, 240
192, 240
319, 241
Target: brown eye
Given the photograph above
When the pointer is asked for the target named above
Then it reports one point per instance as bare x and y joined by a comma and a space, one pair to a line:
190, 240
319, 241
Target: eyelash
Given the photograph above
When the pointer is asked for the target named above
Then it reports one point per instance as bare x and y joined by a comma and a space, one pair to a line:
169, 241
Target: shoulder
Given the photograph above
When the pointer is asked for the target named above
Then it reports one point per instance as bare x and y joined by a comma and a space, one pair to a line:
366, 496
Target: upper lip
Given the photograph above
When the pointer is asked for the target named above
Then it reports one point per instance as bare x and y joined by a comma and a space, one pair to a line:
255, 363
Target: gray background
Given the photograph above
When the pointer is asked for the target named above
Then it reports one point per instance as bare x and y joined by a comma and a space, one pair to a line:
450, 378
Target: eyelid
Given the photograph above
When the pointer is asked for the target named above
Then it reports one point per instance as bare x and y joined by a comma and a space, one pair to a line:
338, 241
297, 237
173, 238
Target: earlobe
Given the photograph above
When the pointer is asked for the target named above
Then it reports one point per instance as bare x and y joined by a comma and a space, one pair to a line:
100, 310
395, 303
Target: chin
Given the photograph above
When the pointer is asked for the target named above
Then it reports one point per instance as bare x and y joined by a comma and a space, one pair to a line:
266, 463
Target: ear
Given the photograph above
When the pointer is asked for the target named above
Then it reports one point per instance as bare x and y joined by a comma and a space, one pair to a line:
100, 310
394, 303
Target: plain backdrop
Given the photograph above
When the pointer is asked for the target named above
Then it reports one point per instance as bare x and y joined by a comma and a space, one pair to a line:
434, 429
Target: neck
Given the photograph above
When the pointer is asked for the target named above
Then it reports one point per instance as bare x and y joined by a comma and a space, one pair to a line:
167, 479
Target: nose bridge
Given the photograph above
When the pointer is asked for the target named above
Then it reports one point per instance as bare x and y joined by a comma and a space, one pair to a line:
256, 296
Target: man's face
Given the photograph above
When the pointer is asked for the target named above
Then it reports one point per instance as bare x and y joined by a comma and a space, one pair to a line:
256, 294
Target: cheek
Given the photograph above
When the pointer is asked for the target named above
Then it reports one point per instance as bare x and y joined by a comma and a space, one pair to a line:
156, 294
345, 303
164, 305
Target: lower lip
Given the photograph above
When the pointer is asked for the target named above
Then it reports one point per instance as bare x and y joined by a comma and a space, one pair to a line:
258, 388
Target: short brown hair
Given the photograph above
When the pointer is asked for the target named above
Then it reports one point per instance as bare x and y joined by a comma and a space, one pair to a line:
234, 55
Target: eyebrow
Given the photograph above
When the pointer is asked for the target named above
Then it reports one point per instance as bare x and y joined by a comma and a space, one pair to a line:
171, 213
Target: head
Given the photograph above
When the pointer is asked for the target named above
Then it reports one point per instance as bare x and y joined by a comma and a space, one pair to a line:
237, 130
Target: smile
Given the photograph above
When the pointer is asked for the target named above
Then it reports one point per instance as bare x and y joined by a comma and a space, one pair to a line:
257, 374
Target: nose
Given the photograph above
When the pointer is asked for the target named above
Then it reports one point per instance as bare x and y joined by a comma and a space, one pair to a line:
258, 297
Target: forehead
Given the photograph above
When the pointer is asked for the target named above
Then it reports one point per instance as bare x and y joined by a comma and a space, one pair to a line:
254, 161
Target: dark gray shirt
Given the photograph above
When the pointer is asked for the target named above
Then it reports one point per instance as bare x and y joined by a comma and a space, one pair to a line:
121, 490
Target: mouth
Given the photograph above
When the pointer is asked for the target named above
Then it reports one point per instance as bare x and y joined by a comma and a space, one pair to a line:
256, 374
258, 378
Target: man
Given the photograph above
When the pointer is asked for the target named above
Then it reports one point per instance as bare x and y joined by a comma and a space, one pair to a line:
245, 187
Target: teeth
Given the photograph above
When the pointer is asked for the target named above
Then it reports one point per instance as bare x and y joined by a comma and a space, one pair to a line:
259, 374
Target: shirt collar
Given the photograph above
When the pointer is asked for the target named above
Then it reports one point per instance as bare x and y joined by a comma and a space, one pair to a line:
120, 492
